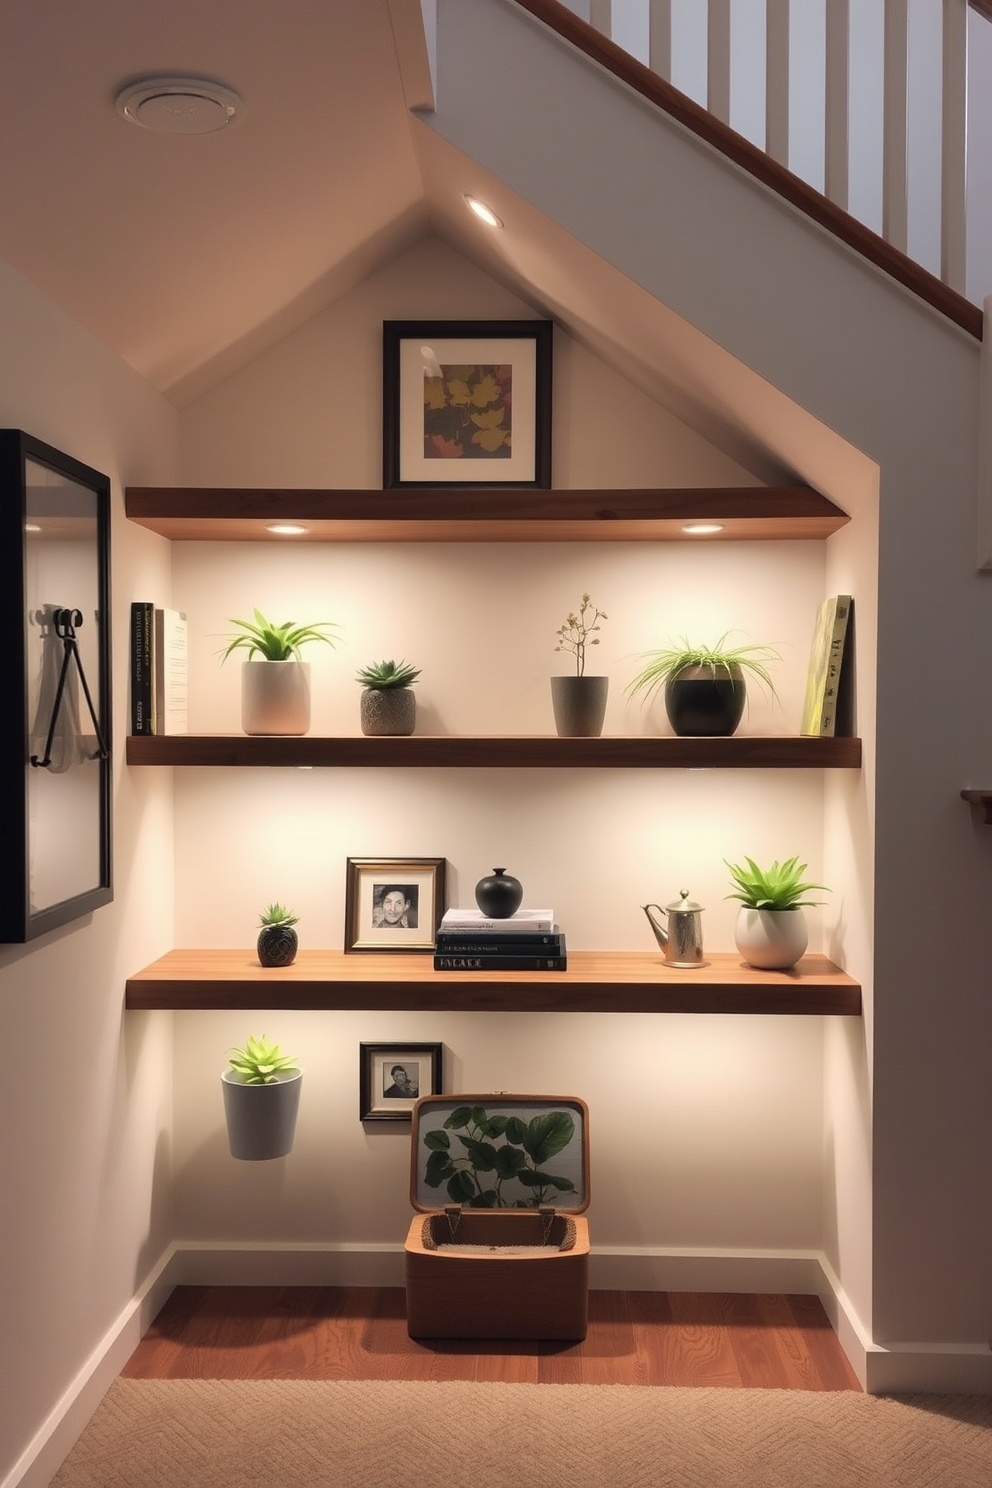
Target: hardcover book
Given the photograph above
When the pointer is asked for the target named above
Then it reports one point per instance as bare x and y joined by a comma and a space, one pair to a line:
481, 943
500, 963
822, 706
540, 920
142, 622
169, 673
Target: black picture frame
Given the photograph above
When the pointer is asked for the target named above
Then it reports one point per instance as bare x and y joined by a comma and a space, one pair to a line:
56, 850
464, 447
376, 1063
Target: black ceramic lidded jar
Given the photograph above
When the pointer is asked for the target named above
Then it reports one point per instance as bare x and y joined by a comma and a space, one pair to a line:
499, 895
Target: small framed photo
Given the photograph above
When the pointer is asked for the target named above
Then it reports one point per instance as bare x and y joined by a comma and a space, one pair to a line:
393, 904
466, 402
392, 1076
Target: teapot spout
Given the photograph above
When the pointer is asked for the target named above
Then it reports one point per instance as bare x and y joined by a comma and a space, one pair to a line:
660, 933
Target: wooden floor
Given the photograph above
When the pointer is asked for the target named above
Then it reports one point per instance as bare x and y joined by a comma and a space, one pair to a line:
635, 1338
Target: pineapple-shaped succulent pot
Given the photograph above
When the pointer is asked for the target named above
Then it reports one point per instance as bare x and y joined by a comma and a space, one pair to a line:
388, 704
277, 940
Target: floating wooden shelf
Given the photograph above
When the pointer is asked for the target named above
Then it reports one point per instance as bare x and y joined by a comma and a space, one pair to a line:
595, 982
473, 752
983, 800
485, 514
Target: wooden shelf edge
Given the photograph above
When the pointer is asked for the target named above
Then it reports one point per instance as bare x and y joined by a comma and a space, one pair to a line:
536, 751
982, 800
596, 981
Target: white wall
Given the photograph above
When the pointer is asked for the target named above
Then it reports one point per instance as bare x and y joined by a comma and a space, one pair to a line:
708, 1132
85, 1104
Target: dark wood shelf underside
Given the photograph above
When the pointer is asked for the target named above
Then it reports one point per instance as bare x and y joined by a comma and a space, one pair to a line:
485, 514
595, 982
473, 752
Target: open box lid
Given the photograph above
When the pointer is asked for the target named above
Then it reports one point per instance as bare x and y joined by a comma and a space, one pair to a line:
500, 1152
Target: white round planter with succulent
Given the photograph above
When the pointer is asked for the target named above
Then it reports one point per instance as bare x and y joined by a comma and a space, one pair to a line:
275, 682
261, 1100
771, 930
388, 704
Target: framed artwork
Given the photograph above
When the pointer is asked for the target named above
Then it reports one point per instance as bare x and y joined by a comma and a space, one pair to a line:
392, 1076
393, 904
55, 761
466, 402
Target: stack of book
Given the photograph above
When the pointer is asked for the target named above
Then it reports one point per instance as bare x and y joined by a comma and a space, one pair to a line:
468, 940
159, 651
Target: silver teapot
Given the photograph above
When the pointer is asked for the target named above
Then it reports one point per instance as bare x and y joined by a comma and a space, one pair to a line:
682, 942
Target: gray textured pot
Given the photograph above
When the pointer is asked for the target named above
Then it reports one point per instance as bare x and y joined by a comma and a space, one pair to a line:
261, 1119
580, 705
388, 710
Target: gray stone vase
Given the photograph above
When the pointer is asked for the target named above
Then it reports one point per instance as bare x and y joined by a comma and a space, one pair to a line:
261, 1119
388, 710
580, 705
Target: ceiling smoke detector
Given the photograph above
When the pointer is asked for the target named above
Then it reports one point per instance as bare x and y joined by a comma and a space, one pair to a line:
179, 105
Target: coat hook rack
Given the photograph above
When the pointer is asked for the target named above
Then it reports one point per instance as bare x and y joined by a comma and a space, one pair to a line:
65, 622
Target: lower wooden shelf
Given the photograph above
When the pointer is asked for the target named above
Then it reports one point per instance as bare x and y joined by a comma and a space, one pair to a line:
595, 982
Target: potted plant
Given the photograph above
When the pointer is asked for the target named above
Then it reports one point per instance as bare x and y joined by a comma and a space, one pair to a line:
705, 686
277, 941
388, 704
275, 682
261, 1100
771, 927
579, 702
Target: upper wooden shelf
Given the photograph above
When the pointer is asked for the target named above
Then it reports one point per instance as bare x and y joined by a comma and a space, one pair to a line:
484, 514
538, 751
595, 982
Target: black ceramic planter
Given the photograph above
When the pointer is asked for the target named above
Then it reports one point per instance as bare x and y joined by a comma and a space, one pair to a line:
699, 701
277, 945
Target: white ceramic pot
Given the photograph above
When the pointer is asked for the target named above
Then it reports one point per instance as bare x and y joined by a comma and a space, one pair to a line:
275, 697
261, 1119
772, 939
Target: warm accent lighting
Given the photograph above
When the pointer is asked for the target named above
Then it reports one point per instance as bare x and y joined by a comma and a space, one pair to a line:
702, 529
487, 215
285, 529
179, 105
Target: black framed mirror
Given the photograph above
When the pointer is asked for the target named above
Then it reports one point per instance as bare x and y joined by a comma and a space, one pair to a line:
55, 746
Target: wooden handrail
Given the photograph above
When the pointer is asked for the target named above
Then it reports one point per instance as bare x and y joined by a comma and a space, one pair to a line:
762, 167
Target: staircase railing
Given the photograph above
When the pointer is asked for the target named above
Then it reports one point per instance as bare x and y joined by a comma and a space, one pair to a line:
858, 114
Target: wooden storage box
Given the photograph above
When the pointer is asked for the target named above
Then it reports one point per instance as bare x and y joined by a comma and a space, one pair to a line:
499, 1247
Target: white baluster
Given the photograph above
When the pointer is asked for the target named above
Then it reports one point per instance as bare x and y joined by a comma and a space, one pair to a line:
954, 126
894, 128
836, 137
777, 80
660, 38
718, 59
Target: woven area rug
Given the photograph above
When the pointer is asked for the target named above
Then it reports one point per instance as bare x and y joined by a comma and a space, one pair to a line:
354, 1434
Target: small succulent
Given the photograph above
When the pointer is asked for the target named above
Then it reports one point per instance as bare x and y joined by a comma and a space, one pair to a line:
663, 666
277, 642
259, 1062
779, 887
277, 914
383, 676
578, 632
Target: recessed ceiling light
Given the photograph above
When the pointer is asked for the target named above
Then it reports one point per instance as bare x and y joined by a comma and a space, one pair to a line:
179, 105
487, 215
702, 529
286, 529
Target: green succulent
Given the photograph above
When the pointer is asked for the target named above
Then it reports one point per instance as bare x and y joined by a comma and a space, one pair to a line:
276, 642
663, 666
779, 887
277, 914
259, 1062
385, 675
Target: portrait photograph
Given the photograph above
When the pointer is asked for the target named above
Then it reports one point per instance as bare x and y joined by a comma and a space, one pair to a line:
392, 1076
393, 904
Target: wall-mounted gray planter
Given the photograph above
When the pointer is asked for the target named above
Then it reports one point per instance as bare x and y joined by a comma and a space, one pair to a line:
261, 1119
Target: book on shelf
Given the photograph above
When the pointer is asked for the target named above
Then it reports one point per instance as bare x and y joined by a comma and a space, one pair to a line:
532, 920
170, 668
481, 943
828, 679
500, 963
142, 630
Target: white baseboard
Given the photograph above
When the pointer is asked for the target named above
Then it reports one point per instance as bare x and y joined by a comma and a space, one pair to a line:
900, 1368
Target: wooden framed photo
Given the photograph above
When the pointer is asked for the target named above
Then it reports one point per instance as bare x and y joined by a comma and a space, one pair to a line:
466, 402
56, 849
393, 904
392, 1076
